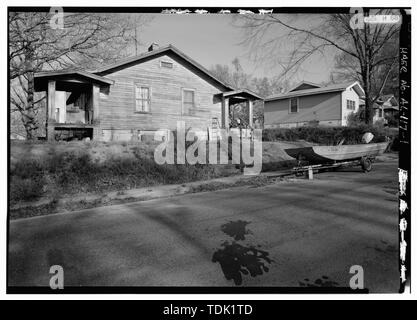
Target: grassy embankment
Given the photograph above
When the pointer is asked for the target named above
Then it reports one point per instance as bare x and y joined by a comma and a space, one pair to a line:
64, 169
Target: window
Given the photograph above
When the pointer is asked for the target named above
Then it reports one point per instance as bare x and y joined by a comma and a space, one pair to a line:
142, 98
380, 113
350, 105
188, 101
293, 105
167, 64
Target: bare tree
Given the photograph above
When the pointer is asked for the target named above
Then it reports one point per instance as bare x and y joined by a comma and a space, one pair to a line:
85, 40
238, 78
368, 51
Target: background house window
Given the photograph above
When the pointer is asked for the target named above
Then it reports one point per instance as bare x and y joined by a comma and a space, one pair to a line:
188, 101
142, 98
293, 105
350, 105
380, 113
167, 64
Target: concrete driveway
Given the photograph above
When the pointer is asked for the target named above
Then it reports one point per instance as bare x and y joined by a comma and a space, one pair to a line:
297, 233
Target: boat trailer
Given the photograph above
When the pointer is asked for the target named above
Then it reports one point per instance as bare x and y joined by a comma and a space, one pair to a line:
308, 170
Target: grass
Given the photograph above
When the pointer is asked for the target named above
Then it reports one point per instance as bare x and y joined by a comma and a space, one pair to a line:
54, 206
61, 169
256, 181
96, 168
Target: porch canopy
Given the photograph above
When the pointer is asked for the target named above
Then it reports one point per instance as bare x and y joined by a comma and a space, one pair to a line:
238, 96
68, 79
73, 81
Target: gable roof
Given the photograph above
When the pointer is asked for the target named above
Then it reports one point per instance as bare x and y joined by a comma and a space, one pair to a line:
386, 102
331, 88
169, 48
387, 98
246, 93
303, 85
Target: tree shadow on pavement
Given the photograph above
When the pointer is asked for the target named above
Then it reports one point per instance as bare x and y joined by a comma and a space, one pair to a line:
236, 260
324, 281
236, 229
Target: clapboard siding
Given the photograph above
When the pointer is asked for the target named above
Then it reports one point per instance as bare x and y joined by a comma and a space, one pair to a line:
117, 109
321, 107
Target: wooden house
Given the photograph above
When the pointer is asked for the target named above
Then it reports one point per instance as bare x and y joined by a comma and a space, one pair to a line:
137, 96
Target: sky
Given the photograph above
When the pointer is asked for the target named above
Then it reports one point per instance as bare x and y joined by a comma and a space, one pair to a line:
212, 39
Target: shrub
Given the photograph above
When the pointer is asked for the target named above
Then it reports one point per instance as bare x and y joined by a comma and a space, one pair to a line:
22, 189
356, 118
72, 172
27, 180
27, 169
74, 168
325, 135
392, 120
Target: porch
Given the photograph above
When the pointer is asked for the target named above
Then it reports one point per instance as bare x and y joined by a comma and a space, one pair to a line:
73, 102
245, 99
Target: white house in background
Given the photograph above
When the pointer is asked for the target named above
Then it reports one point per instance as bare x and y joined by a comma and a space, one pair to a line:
309, 103
385, 106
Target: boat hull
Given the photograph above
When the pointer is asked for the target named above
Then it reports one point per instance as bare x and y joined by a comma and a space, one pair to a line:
323, 154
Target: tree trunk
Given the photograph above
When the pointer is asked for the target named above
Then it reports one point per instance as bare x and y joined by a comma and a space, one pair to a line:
369, 114
367, 97
29, 117
368, 109
367, 75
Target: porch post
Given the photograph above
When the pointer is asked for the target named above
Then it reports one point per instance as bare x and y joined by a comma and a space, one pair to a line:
50, 112
51, 99
250, 108
96, 102
225, 113
96, 112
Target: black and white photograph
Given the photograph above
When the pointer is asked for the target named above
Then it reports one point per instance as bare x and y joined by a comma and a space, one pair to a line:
253, 149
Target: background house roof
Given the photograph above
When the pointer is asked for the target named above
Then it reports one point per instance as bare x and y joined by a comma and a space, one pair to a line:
331, 88
303, 85
386, 102
388, 99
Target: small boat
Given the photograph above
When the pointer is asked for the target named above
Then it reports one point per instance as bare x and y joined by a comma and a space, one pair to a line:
339, 153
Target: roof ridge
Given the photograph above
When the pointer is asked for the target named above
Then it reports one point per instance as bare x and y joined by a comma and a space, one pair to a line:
303, 82
160, 50
336, 86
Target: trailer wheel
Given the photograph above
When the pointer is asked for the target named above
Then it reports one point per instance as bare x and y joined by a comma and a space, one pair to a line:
366, 165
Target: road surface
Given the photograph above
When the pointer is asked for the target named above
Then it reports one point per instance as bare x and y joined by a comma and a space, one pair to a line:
295, 233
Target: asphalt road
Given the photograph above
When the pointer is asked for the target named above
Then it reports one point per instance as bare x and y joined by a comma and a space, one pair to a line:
294, 234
